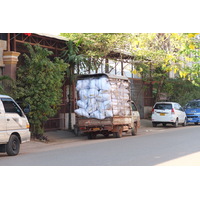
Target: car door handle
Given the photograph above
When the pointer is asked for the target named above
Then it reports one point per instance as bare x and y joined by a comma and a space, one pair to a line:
8, 119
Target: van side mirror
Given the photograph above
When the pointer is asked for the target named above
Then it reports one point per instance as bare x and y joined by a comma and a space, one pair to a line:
27, 109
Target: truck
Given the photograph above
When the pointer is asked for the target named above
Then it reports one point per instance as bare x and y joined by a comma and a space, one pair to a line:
14, 126
104, 106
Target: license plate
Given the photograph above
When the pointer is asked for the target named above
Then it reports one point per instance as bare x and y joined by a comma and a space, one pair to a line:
96, 129
189, 118
162, 114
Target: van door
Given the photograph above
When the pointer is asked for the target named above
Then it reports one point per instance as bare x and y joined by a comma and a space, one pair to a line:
3, 130
14, 116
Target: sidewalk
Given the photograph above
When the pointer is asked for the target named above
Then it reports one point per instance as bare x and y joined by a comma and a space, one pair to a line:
68, 136
65, 137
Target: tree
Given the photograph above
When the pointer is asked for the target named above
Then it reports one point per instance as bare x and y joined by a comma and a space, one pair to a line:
6, 84
39, 82
98, 46
157, 54
74, 59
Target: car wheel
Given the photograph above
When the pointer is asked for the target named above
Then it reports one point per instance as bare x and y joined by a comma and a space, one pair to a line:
184, 123
164, 124
196, 123
176, 123
154, 124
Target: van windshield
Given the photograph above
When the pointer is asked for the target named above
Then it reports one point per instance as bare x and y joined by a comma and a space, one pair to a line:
193, 104
163, 106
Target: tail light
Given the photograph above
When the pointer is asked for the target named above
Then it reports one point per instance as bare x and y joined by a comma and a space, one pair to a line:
172, 111
152, 110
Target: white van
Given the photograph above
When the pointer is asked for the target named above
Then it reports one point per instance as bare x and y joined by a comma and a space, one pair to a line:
14, 126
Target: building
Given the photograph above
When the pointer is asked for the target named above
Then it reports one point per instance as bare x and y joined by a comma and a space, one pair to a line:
120, 63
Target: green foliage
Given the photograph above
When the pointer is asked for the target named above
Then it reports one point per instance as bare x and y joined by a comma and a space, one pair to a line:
6, 84
181, 91
97, 46
39, 83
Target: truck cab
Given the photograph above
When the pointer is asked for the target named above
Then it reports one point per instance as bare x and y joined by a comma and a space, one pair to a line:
14, 126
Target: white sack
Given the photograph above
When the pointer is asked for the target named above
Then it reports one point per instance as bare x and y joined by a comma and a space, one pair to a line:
93, 84
116, 112
103, 83
82, 104
97, 115
124, 97
92, 93
81, 112
83, 94
108, 113
100, 106
92, 105
83, 84
103, 96
107, 105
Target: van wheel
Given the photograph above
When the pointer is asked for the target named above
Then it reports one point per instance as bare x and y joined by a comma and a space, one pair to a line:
176, 123
196, 123
13, 146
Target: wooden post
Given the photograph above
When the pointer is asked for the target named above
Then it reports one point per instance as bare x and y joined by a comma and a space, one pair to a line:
8, 42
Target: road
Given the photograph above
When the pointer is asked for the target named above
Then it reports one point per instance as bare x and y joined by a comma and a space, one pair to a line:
163, 147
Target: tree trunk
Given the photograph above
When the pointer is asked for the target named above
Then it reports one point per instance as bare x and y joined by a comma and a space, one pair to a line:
159, 89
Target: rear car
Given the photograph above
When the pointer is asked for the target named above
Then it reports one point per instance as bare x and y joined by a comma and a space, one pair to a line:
192, 110
168, 113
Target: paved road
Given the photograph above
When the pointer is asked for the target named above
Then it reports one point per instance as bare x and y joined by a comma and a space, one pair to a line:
155, 148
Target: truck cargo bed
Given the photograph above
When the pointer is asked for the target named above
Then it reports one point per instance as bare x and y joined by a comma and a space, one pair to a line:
112, 121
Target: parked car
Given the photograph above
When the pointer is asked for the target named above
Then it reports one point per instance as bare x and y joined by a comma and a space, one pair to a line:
168, 113
14, 126
192, 110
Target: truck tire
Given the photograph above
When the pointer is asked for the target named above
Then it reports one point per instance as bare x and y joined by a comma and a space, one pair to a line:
134, 131
118, 134
13, 146
76, 131
92, 136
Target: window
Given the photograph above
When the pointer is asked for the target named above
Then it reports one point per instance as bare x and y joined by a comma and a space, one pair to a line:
134, 108
163, 106
193, 104
11, 107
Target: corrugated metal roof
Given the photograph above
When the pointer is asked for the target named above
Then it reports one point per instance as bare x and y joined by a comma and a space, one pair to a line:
102, 74
52, 36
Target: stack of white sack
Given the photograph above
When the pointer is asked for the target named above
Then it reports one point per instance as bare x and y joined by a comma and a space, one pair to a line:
100, 98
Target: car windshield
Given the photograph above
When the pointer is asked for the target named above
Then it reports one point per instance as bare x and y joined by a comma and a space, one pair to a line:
193, 104
163, 106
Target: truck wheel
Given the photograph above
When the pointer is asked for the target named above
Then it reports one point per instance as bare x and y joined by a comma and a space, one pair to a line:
92, 136
13, 146
133, 131
76, 131
118, 134
106, 135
